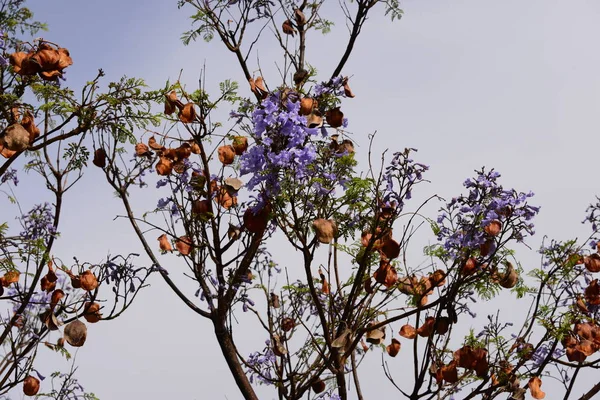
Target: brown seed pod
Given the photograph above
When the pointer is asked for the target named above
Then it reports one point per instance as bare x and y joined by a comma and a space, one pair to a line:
233, 184
376, 336
592, 262
64, 59
10, 277
442, 324
154, 145
450, 373
164, 243
427, 328
226, 154
592, 293
438, 278
49, 319
325, 229
469, 267
164, 166
275, 301
347, 90
55, 298
184, 245
225, 199
31, 385
99, 158
240, 145
88, 280
188, 113
493, 228
510, 277
390, 248
335, 117
28, 123
46, 285
300, 76
535, 387
408, 331
287, 324
256, 222
288, 28
314, 120
142, 150
394, 348
386, 274
51, 76
15, 138
317, 386
307, 105
91, 312
299, 17
75, 333
201, 207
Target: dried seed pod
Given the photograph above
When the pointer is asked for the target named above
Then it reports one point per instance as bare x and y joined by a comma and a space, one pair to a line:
510, 277
288, 28
275, 301
287, 324
142, 150
394, 348
55, 298
450, 372
317, 386
29, 124
225, 199
386, 274
438, 278
99, 158
592, 262
341, 341
10, 277
164, 166
493, 228
75, 333
15, 138
60, 342
240, 145
164, 243
17, 60
184, 245
51, 76
278, 347
256, 222
6, 153
314, 120
335, 117
390, 248
91, 312
31, 385
201, 207
154, 145
427, 328
347, 90
592, 293
226, 154
442, 324
194, 147
234, 184
299, 17
469, 267
49, 319
325, 229
375, 336
408, 331
535, 386
47, 58
88, 280
64, 58
188, 113
307, 105
300, 76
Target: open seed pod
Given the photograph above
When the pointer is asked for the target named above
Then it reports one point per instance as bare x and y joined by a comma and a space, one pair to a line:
31, 385
469, 267
64, 59
325, 230
10, 277
390, 248
592, 293
75, 333
184, 245
314, 120
376, 336
172, 103
225, 199
142, 150
288, 28
188, 113
438, 278
347, 90
510, 277
234, 184
46, 285
164, 166
393, 348
15, 138
49, 319
278, 347
535, 387
427, 328
335, 117
6, 153
287, 324
240, 145
341, 341
92, 312
99, 158
21, 64
164, 243
386, 274
154, 145
201, 207
450, 372
275, 300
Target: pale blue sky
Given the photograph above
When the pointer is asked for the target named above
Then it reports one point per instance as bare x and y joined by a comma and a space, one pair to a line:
512, 84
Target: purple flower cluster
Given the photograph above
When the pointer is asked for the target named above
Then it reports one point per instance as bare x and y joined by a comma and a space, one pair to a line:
10, 175
282, 144
39, 222
334, 86
461, 224
260, 364
593, 218
400, 176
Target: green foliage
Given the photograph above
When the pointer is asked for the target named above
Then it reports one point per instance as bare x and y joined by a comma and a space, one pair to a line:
392, 8
205, 29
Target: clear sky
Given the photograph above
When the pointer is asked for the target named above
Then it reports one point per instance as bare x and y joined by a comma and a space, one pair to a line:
511, 84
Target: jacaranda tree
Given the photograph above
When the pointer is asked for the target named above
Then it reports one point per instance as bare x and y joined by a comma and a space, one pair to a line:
286, 171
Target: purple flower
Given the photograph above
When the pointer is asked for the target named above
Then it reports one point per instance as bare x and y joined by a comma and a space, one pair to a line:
39, 222
9, 175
